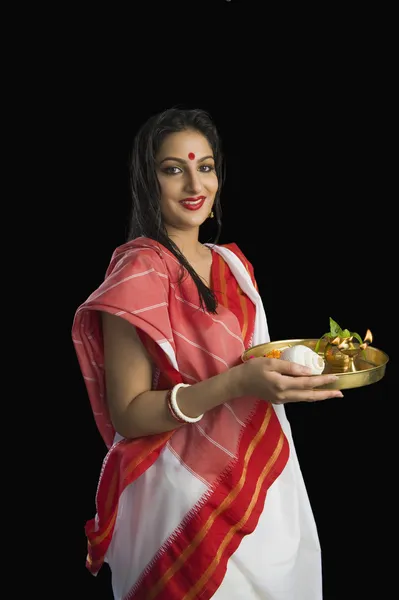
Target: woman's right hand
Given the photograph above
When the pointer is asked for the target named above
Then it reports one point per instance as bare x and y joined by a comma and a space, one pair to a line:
279, 382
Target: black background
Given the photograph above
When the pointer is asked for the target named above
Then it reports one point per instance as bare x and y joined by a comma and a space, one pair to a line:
305, 200
309, 149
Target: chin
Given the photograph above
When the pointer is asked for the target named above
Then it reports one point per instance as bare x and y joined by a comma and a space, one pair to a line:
197, 221
187, 220
194, 220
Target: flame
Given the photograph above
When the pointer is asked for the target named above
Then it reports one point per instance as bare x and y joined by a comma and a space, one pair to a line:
344, 345
368, 337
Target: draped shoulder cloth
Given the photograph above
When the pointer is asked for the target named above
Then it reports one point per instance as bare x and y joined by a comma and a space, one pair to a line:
173, 508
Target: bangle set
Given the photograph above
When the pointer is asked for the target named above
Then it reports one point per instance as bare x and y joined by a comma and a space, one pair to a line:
174, 409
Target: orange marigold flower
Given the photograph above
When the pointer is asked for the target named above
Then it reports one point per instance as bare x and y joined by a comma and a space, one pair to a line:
273, 354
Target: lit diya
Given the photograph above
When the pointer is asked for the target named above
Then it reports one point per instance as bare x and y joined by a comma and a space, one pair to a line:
353, 360
340, 349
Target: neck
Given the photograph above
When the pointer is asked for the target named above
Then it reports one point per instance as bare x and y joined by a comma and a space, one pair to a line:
187, 241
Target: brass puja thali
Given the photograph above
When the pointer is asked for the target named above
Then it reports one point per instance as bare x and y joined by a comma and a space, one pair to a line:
355, 364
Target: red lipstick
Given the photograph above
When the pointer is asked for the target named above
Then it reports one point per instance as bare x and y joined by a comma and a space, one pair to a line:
193, 203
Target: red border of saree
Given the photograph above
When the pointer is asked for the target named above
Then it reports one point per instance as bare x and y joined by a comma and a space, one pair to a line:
194, 563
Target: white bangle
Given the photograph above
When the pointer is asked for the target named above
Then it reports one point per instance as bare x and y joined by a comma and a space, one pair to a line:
181, 416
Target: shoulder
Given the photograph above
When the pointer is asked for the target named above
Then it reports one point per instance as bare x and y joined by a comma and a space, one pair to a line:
135, 273
240, 254
136, 255
237, 251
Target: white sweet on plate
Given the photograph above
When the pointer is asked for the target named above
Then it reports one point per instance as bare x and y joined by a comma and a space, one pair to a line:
305, 356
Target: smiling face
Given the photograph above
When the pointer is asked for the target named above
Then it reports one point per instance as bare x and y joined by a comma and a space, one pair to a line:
187, 178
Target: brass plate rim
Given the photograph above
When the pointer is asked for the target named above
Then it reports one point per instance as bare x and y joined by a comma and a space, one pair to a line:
346, 380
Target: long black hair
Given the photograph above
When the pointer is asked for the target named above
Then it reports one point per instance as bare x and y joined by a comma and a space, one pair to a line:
146, 218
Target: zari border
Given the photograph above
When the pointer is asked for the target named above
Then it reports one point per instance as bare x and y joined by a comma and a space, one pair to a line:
194, 564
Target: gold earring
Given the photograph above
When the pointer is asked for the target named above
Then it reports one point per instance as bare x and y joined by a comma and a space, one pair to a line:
211, 215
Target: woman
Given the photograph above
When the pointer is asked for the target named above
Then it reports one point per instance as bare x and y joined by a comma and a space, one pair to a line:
200, 494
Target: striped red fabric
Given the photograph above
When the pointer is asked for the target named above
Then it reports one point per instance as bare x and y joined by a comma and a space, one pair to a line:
236, 458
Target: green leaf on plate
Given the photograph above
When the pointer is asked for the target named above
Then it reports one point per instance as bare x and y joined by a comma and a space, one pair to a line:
327, 335
357, 336
335, 329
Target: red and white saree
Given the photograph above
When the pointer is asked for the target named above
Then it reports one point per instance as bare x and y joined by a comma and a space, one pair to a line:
217, 509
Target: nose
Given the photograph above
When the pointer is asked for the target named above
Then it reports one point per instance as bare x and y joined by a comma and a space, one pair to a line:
193, 183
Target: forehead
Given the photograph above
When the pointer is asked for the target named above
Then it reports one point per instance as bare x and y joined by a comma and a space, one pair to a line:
182, 143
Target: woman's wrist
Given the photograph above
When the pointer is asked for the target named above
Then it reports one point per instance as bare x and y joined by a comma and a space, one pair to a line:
237, 382
206, 395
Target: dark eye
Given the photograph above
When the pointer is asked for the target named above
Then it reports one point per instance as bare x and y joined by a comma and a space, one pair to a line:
207, 168
172, 170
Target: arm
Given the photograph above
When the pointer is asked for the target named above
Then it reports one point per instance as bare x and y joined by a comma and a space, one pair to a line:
137, 411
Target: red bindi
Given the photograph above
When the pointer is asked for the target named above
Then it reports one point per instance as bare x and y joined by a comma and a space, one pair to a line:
191, 155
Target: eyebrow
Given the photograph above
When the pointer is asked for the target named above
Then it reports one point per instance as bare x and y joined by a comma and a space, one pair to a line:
181, 160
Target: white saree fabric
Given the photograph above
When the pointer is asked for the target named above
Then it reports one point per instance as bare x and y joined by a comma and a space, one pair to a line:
280, 560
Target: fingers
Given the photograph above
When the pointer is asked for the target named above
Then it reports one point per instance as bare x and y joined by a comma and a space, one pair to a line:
310, 395
295, 383
303, 375
304, 389
285, 367
314, 381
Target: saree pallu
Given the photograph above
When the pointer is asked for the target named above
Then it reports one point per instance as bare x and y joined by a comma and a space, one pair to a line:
174, 511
